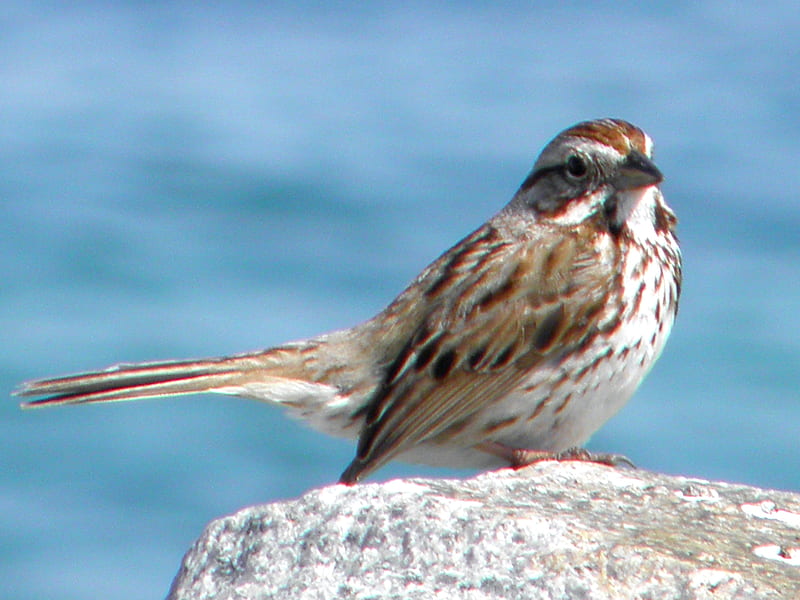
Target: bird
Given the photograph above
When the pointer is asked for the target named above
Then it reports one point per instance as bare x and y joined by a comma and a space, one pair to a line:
514, 346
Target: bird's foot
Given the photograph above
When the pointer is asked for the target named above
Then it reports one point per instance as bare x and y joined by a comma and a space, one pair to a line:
522, 457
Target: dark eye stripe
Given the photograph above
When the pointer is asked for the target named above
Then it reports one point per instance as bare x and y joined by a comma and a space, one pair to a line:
538, 174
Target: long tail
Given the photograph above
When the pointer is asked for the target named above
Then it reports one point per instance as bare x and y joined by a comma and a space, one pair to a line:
144, 380
305, 378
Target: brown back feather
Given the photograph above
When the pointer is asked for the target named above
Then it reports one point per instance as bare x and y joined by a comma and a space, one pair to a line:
510, 305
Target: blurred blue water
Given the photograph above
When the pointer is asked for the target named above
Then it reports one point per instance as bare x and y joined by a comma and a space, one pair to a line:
179, 180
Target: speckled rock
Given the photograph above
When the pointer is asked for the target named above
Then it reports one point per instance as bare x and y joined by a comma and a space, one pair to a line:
554, 530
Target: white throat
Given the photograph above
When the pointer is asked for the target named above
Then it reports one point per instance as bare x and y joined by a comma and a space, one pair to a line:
636, 209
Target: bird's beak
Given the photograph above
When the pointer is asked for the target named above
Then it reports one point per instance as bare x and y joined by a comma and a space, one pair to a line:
637, 171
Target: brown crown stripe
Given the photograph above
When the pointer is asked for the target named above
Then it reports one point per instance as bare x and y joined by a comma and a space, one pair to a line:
620, 135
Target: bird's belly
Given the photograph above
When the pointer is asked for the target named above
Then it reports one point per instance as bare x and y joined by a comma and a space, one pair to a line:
561, 403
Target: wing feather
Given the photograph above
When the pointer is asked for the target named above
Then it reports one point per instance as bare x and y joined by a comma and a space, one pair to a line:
515, 305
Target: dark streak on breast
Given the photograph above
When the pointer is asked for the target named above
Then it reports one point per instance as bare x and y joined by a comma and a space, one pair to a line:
637, 300
499, 425
563, 404
663, 221
537, 411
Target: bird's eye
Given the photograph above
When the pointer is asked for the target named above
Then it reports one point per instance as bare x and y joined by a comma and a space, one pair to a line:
576, 166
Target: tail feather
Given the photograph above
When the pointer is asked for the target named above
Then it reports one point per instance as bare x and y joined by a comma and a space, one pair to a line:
132, 381
300, 377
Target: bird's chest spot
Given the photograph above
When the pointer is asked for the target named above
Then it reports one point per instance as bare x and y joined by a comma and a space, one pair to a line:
566, 400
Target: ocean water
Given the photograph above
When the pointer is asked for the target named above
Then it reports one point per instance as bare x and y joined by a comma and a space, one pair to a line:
179, 180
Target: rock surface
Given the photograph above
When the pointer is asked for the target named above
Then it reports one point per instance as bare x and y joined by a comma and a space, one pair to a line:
553, 530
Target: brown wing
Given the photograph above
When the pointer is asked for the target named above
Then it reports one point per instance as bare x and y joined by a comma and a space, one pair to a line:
489, 310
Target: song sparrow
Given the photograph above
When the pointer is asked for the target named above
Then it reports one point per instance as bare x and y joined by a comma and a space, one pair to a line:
519, 341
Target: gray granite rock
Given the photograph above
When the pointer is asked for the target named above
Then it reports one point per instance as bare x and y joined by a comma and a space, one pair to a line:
553, 530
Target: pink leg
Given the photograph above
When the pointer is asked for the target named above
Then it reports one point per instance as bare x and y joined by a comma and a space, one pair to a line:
521, 457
